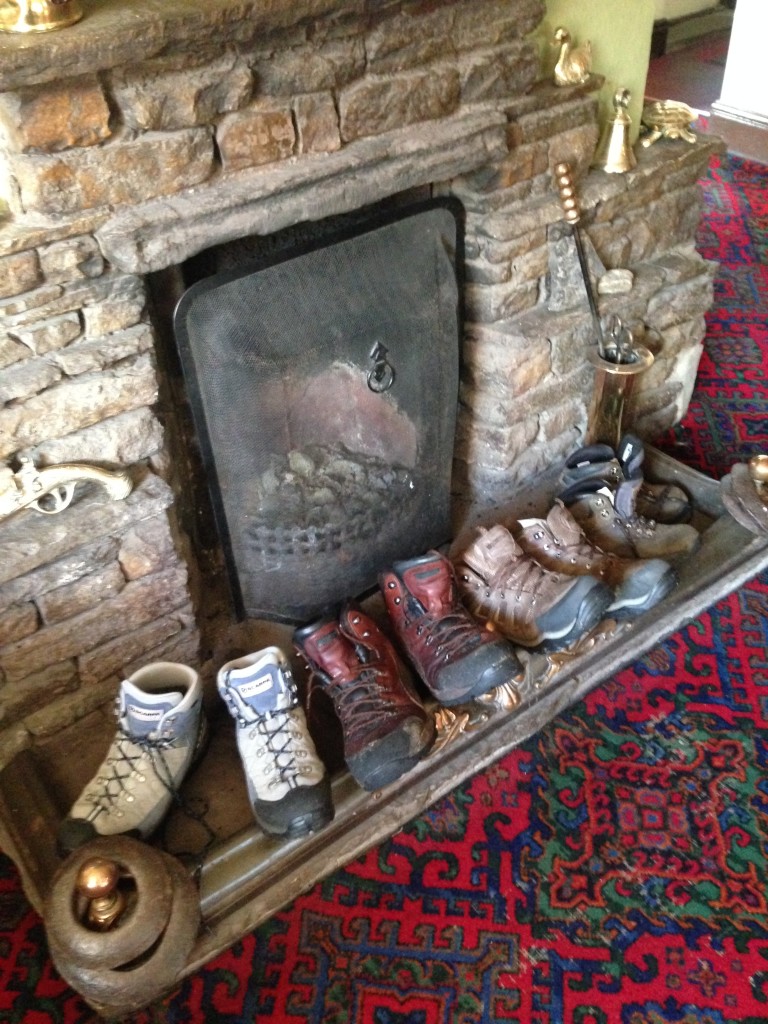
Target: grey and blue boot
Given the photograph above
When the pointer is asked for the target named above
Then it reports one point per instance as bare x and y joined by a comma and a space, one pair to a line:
288, 786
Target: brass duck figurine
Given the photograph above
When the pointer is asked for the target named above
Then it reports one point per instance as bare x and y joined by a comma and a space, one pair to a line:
574, 63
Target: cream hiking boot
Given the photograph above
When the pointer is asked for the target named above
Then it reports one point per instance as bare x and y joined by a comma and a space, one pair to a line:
161, 731
288, 786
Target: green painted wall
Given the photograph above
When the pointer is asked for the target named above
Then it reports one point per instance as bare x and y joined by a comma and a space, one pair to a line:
620, 34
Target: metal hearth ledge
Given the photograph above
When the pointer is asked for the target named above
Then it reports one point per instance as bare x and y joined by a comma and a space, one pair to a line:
250, 877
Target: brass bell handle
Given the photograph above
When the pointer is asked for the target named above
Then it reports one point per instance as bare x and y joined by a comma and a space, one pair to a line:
568, 198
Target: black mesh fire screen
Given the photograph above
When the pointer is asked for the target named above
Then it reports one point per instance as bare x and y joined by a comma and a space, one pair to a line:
324, 387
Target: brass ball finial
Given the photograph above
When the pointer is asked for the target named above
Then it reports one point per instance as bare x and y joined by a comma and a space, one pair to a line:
97, 882
98, 877
758, 470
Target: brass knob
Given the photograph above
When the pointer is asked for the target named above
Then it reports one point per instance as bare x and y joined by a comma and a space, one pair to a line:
758, 471
98, 877
97, 883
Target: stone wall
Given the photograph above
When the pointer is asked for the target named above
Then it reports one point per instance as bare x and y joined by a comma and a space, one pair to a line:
137, 138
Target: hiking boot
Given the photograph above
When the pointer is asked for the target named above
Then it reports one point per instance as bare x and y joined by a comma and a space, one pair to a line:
528, 603
665, 503
610, 520
558, 543
161, 731
455, 656
288, 786
386, 729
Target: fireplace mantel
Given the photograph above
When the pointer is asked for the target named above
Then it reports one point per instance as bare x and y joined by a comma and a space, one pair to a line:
159, 233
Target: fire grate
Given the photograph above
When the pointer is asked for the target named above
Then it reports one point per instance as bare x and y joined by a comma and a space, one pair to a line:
323, 381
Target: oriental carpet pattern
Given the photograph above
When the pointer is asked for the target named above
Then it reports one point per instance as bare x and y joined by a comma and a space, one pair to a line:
611, 870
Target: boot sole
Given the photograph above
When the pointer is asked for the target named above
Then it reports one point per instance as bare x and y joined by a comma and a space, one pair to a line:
664, 585
305, 809
484, 669
589, 614
391, 757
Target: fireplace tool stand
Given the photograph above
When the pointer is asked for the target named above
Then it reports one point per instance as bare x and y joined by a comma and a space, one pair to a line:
618, 359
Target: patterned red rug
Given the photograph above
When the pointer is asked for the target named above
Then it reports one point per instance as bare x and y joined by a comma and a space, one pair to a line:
612, 870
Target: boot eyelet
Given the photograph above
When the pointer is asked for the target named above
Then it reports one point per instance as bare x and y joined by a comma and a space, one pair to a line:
397, 600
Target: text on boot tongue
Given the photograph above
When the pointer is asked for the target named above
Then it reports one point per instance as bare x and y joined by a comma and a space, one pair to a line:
254, 687
145, 714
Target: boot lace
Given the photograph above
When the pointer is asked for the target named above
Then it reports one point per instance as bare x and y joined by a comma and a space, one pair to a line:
362, 702
525, 576
578, 552
448, 637
281, 742
130, 758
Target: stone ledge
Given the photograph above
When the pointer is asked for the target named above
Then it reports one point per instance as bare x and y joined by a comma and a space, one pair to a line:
30, 541
160, 233
113, 33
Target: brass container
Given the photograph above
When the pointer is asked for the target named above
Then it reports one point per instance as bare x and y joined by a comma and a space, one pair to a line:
614, 383
38, 15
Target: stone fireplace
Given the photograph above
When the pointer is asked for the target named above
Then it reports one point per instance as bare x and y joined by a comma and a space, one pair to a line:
141, 137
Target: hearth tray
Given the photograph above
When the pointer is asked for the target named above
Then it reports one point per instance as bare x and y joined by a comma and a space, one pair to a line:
247, 877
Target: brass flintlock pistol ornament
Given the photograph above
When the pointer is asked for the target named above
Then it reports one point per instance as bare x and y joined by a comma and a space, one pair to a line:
51, 489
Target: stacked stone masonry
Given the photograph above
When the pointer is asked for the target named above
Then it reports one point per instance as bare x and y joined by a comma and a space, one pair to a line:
135, 139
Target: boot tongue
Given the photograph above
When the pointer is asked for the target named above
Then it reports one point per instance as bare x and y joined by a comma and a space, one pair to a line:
581, 488
261, 687
630, 454
564, 526
331, 652
624, 498
142, 713
432, 585
493, 552
589, 455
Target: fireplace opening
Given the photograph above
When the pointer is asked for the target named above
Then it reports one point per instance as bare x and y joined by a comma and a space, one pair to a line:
322, 377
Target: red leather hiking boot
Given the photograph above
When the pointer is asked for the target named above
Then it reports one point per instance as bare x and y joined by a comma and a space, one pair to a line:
455, 656
386, 728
